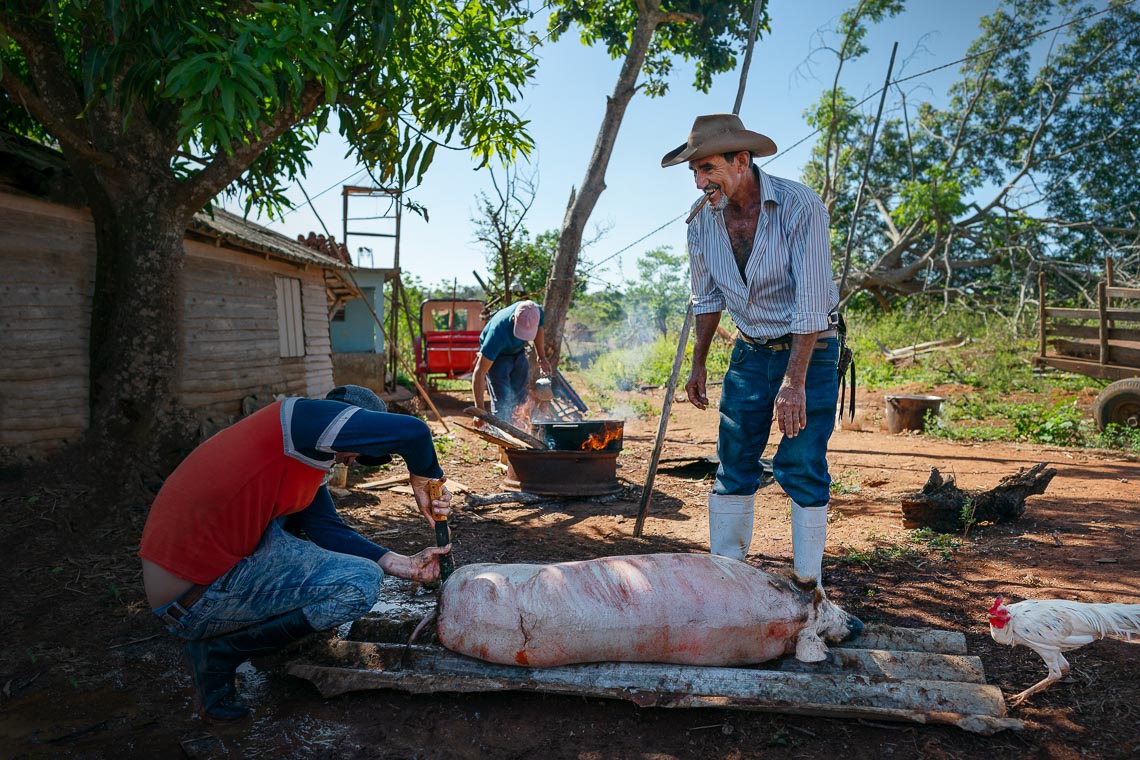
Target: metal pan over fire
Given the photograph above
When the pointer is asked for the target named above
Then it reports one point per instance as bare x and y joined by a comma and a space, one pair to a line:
581, 435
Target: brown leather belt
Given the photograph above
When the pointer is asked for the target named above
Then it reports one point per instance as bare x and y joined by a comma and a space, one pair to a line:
784, 342
183, 603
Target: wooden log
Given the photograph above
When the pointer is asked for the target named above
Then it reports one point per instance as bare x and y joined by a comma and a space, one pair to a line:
370, 638
944, 507
498, 422
486, 435
433, 669
934, 640
508, 497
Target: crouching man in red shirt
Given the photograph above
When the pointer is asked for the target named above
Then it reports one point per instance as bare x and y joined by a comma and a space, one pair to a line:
222, 566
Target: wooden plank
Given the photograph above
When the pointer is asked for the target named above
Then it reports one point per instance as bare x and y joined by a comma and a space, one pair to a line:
1125, 356
1072, 313
1089, 332
1123, 315
383, 483
1091, 369
865, 662
933, 640
432, 669
1113, 292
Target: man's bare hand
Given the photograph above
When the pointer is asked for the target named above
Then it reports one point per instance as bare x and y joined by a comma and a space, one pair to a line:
422, 566
791, 410
695, 388
432, 510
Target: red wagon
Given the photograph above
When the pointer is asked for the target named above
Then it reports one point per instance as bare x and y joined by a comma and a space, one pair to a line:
449, 339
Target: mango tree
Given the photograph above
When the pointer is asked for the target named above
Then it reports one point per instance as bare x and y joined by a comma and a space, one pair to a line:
160, 106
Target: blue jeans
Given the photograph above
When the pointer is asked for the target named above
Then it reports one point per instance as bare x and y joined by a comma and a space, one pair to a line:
507, 381
283, 574
750, 387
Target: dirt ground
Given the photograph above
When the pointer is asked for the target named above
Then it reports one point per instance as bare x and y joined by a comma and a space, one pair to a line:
86, 672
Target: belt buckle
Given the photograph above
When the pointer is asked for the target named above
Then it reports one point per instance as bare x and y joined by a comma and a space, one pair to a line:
170, 617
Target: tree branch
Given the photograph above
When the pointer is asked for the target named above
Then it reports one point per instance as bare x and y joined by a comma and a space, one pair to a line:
52, 102
680, 18
223, 168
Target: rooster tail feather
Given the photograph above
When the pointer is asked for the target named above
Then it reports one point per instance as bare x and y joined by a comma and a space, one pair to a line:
1113, 619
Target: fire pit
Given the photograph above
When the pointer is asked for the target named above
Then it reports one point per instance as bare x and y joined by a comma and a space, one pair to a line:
581, 459
562, 473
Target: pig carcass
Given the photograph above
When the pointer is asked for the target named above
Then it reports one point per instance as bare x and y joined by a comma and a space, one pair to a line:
691, 609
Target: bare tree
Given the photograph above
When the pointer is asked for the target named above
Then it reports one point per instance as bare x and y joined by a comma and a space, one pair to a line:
499, 220
645, 34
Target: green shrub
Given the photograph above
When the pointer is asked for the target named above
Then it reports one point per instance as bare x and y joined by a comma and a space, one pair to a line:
1062, 425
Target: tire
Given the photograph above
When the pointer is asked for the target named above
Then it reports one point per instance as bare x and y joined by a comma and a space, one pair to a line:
1118, 404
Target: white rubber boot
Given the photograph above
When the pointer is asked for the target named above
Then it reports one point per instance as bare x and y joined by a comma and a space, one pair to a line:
730, 524
809, 534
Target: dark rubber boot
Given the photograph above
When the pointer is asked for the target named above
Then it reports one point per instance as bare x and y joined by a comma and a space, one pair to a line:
214, 662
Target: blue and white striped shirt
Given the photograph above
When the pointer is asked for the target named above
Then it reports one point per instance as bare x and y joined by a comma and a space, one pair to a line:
790, 287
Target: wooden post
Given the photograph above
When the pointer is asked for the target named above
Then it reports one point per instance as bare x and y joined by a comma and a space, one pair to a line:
1110, 278
1102, 307
863, 179
671, 386
663, 423
1041, 310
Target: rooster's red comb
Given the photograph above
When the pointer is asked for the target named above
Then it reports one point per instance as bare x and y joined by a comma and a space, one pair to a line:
997, 603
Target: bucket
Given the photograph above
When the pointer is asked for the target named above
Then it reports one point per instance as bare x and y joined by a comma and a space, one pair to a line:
909, 412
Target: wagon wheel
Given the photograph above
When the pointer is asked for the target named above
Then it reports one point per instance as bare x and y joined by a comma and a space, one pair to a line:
1118, 404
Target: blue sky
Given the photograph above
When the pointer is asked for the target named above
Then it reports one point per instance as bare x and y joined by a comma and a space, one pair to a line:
565, 105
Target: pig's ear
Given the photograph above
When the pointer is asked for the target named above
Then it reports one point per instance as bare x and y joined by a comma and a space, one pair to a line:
810, 647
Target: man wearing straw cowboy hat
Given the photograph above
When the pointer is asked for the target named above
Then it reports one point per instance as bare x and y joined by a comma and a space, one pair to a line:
759, 247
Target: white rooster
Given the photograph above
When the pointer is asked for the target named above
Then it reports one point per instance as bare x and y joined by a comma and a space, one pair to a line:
1052, 626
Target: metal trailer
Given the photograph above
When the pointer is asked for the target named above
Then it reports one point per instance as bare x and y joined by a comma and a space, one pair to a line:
1103, 343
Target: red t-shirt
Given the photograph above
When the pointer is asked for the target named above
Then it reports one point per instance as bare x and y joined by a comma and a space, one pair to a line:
213, 509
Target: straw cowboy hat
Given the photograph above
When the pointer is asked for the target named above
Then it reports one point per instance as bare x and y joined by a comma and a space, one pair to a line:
719, 133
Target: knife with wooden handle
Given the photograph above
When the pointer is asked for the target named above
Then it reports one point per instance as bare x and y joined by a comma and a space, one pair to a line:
442, 534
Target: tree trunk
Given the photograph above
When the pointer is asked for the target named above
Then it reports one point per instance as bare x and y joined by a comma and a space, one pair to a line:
135, 346
560, 287
944, 507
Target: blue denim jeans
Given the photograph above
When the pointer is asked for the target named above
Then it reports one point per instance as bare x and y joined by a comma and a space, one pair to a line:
283, 574
507, 380
750, 387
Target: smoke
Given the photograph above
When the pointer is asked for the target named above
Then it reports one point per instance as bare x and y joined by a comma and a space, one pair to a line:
622, 410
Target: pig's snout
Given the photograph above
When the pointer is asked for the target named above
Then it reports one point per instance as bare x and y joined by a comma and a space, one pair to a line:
854, 628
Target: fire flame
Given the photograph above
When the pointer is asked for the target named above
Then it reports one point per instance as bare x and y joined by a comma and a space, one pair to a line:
520, 417
598, 441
